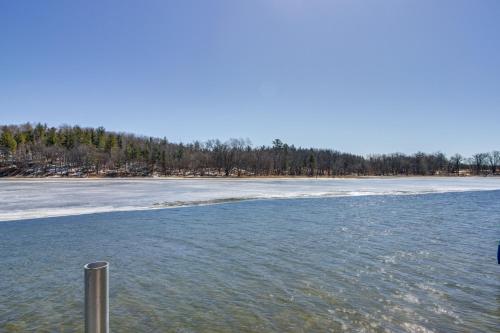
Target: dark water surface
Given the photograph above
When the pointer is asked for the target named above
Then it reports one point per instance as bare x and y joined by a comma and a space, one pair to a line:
408, 263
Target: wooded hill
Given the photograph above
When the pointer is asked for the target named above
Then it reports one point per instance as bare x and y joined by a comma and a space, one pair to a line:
39, 150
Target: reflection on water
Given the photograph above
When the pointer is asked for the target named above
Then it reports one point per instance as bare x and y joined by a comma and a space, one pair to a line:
400, 263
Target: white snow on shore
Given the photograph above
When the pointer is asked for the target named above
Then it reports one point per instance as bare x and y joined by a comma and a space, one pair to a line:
37, 198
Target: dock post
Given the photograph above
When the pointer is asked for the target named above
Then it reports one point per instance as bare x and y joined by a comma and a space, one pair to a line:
96, 297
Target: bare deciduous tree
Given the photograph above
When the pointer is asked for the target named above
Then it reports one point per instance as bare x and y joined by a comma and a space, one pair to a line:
38, 150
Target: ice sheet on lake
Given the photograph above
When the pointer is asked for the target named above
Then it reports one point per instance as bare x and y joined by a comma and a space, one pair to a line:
36, 198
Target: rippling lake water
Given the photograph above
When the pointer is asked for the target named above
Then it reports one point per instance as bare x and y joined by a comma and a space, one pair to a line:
375, 263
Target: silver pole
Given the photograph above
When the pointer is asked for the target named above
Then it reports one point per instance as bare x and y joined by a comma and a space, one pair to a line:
96, 297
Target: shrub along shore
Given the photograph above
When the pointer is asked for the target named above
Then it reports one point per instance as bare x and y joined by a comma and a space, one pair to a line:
36, 150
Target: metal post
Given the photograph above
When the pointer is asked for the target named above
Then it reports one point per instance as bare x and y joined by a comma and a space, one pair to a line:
96, 297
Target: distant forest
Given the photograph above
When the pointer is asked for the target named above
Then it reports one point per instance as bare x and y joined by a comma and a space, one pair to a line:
37, 150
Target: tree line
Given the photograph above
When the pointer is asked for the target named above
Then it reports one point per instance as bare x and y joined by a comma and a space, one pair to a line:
39, 150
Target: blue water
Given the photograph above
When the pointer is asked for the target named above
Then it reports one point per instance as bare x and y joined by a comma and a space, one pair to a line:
407, 263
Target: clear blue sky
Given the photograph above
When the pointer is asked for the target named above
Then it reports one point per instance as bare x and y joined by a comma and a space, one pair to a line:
359, 76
